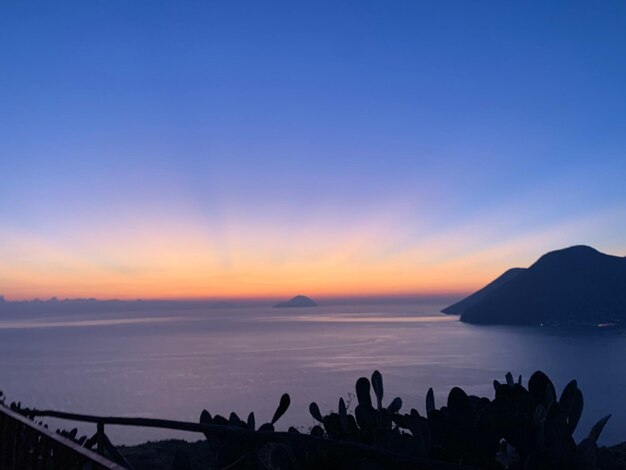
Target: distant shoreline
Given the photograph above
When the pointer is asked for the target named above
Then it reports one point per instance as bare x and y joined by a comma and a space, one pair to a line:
92, 305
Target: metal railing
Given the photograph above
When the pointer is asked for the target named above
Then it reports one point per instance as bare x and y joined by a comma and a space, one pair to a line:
256, 438
26, 445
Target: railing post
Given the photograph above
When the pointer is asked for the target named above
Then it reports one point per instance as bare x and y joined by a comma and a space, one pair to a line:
101, 439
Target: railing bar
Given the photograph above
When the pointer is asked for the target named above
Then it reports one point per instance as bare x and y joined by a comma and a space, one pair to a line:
14, 441
44, 454
6, 442
34, 450
42, 449
27, 448
254, 436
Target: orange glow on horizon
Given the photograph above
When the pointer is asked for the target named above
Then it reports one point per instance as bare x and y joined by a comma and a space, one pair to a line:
183, 259
197, 284
191, 273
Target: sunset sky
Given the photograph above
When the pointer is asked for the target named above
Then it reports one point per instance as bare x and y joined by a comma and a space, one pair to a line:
196, 149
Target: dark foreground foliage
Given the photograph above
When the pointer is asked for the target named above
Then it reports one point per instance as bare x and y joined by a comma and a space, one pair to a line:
176, 454
519, 428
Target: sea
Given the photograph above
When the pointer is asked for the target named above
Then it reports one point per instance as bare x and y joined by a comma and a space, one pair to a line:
174, 364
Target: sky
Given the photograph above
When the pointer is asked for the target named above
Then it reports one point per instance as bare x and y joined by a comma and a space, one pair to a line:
200, 149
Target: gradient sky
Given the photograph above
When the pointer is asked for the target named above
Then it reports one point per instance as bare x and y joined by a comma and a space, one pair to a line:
223, 149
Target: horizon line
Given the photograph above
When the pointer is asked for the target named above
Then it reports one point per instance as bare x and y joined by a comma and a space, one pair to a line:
247, 299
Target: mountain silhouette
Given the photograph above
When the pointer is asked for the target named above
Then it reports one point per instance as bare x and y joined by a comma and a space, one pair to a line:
297, 301
461, 306
577, 285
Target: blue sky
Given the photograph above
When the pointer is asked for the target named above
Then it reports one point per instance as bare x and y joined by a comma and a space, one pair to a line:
381, 137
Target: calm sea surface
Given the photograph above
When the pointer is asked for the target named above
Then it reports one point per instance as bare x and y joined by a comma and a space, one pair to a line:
172, 364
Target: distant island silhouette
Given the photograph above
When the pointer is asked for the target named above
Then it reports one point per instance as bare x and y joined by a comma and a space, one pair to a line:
574, 286
297, 302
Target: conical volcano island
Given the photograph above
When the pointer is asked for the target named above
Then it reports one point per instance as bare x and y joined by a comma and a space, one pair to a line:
297, 302
574, 286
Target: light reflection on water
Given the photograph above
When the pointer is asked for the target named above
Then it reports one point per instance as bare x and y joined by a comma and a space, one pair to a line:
174, 364
361, 318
